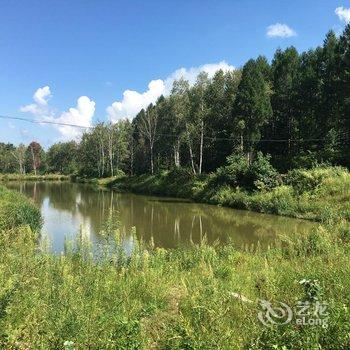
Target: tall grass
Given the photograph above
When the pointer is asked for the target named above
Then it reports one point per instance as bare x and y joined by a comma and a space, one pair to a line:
169, 299
16, 210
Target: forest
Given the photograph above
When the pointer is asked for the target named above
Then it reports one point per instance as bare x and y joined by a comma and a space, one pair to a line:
295, 108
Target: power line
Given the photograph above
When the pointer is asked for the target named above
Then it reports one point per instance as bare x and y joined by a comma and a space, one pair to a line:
160, 134
45, 122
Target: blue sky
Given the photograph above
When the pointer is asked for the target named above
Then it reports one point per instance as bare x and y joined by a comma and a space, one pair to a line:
84, 55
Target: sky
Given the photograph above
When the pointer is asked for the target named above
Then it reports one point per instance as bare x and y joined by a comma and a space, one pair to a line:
85, 61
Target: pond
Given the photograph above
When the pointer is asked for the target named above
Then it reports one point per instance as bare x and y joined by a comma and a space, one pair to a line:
68, 207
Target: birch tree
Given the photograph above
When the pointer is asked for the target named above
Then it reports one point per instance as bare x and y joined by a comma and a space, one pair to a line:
20, 155
148, 128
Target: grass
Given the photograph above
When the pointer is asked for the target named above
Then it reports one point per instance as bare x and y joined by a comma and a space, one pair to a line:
194, 298
171, 299
32, 177
16, 210
319, 194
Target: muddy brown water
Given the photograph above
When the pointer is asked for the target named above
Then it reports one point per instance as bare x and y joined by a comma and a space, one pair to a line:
68, 207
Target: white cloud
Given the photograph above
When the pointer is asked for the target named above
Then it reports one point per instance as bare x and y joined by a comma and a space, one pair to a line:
133, 101
42, 95
40, 107
280, 30
343, 14
82, 114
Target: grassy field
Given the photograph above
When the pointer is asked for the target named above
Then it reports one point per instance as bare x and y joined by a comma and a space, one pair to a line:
202, 297
176, 299
319, 194
32, 177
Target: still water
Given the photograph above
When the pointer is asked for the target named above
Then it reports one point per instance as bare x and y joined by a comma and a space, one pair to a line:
68, 207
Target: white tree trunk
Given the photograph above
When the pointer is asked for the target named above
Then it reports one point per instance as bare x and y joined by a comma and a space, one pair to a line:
201, 149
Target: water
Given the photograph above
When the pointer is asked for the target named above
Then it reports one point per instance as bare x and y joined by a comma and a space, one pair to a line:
66, 207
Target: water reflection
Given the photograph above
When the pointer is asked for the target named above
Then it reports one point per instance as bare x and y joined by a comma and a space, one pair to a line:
67, 206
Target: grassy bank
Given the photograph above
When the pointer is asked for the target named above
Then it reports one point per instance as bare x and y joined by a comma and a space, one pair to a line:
320, 194
16, 210
32, 177
176, 299
202, 297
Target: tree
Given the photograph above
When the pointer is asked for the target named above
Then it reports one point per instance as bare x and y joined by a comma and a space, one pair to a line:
343, 91
35, 157
148, 128
19, 153
180, 105
221, 95
62, 157
253, 107
197, 118
285, 67
7, 162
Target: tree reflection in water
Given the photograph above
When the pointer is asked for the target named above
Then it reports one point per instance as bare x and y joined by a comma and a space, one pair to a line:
168, 222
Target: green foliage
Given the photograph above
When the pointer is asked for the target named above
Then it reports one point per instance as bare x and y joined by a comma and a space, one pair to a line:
303, 180
16, 210
259, 175
252, 104
321, 193
294, 108
173, 299
62, 158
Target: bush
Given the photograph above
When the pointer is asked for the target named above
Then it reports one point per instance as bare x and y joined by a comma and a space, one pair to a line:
308, 180
259, 175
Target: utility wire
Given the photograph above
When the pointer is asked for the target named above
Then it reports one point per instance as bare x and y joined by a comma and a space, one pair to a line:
44, 122
160, 134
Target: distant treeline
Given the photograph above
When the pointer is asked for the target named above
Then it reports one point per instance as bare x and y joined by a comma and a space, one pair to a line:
296, 108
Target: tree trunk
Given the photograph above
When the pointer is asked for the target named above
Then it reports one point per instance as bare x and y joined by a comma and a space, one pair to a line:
191, 156
201, 148
151, 159
110, 150
191, 152
132, 157
177, 153
33, 158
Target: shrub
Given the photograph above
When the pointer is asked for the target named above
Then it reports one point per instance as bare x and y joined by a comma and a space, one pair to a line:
304, 180
259, 175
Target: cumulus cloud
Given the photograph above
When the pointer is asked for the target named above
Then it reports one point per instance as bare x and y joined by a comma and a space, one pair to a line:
133, 101
82, 114
280, 30
40, 107
343, 14
42, 95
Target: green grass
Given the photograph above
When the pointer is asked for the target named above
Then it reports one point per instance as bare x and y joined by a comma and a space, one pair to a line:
154, 298
16, 210
319, 194
32, 177
170, 299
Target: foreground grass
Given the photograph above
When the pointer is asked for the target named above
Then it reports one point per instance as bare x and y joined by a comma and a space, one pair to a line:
320, 194
153, 298
176, 299
32, 177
